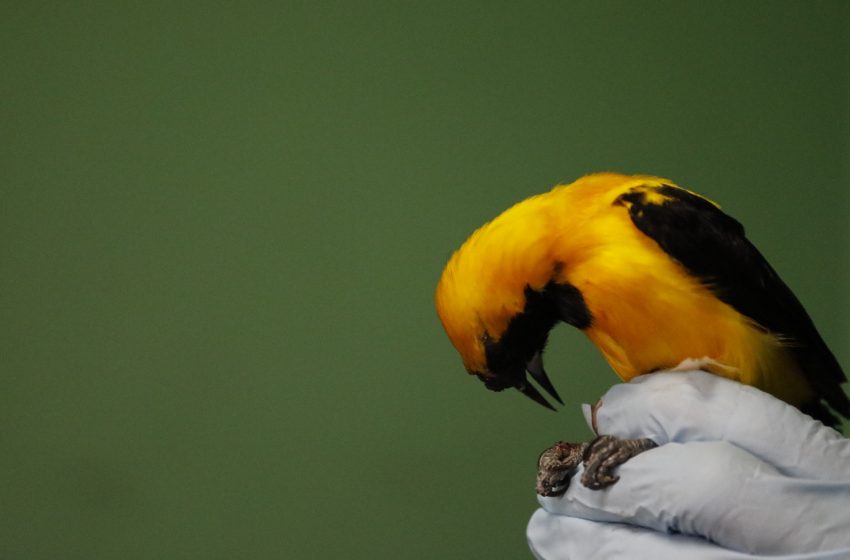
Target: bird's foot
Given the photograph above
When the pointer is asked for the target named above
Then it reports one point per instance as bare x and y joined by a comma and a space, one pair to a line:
600, 457
557, 465
604, 454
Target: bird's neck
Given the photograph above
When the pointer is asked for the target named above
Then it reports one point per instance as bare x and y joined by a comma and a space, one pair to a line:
526, 245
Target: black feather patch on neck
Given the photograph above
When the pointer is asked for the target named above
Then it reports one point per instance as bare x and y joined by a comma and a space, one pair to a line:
528, 331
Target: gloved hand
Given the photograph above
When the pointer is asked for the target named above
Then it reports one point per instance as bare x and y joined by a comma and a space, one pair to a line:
737, 475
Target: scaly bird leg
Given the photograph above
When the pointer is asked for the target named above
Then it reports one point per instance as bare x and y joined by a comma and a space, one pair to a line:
600, 457
557, 465
604, 454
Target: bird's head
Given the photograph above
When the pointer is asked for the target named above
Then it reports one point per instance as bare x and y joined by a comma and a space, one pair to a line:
502, 292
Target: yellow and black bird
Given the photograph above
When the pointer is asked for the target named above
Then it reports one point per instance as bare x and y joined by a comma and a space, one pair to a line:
652, 273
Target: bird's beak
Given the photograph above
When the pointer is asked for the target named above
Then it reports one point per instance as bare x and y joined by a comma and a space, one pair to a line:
529, 391
535, 369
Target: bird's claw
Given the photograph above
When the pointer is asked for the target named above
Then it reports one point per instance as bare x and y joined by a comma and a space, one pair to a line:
600, 457
604, 454
557, 465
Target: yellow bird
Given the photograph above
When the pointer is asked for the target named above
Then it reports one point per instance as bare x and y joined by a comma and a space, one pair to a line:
655, 275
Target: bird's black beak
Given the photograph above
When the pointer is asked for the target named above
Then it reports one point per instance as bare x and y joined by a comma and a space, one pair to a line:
529, 391
535, 369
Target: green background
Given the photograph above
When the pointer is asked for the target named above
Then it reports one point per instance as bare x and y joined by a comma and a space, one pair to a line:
222, 224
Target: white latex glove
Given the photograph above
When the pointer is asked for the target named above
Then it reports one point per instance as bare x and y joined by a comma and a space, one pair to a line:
737, 475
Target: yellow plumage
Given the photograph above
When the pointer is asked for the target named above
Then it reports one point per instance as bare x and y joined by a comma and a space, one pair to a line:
648, 311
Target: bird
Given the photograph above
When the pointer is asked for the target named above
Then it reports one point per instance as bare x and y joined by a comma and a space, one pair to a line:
657, 276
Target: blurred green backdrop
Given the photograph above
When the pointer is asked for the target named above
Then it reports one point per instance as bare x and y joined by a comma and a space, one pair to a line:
222, 224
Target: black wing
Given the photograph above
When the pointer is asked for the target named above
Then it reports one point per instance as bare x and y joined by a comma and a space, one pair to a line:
713, 247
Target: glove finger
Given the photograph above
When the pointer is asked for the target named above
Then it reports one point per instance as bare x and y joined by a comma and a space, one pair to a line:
698, 406
720, 492
558, 537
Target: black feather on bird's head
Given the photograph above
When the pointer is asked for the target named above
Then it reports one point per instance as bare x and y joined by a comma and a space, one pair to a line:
519, 351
